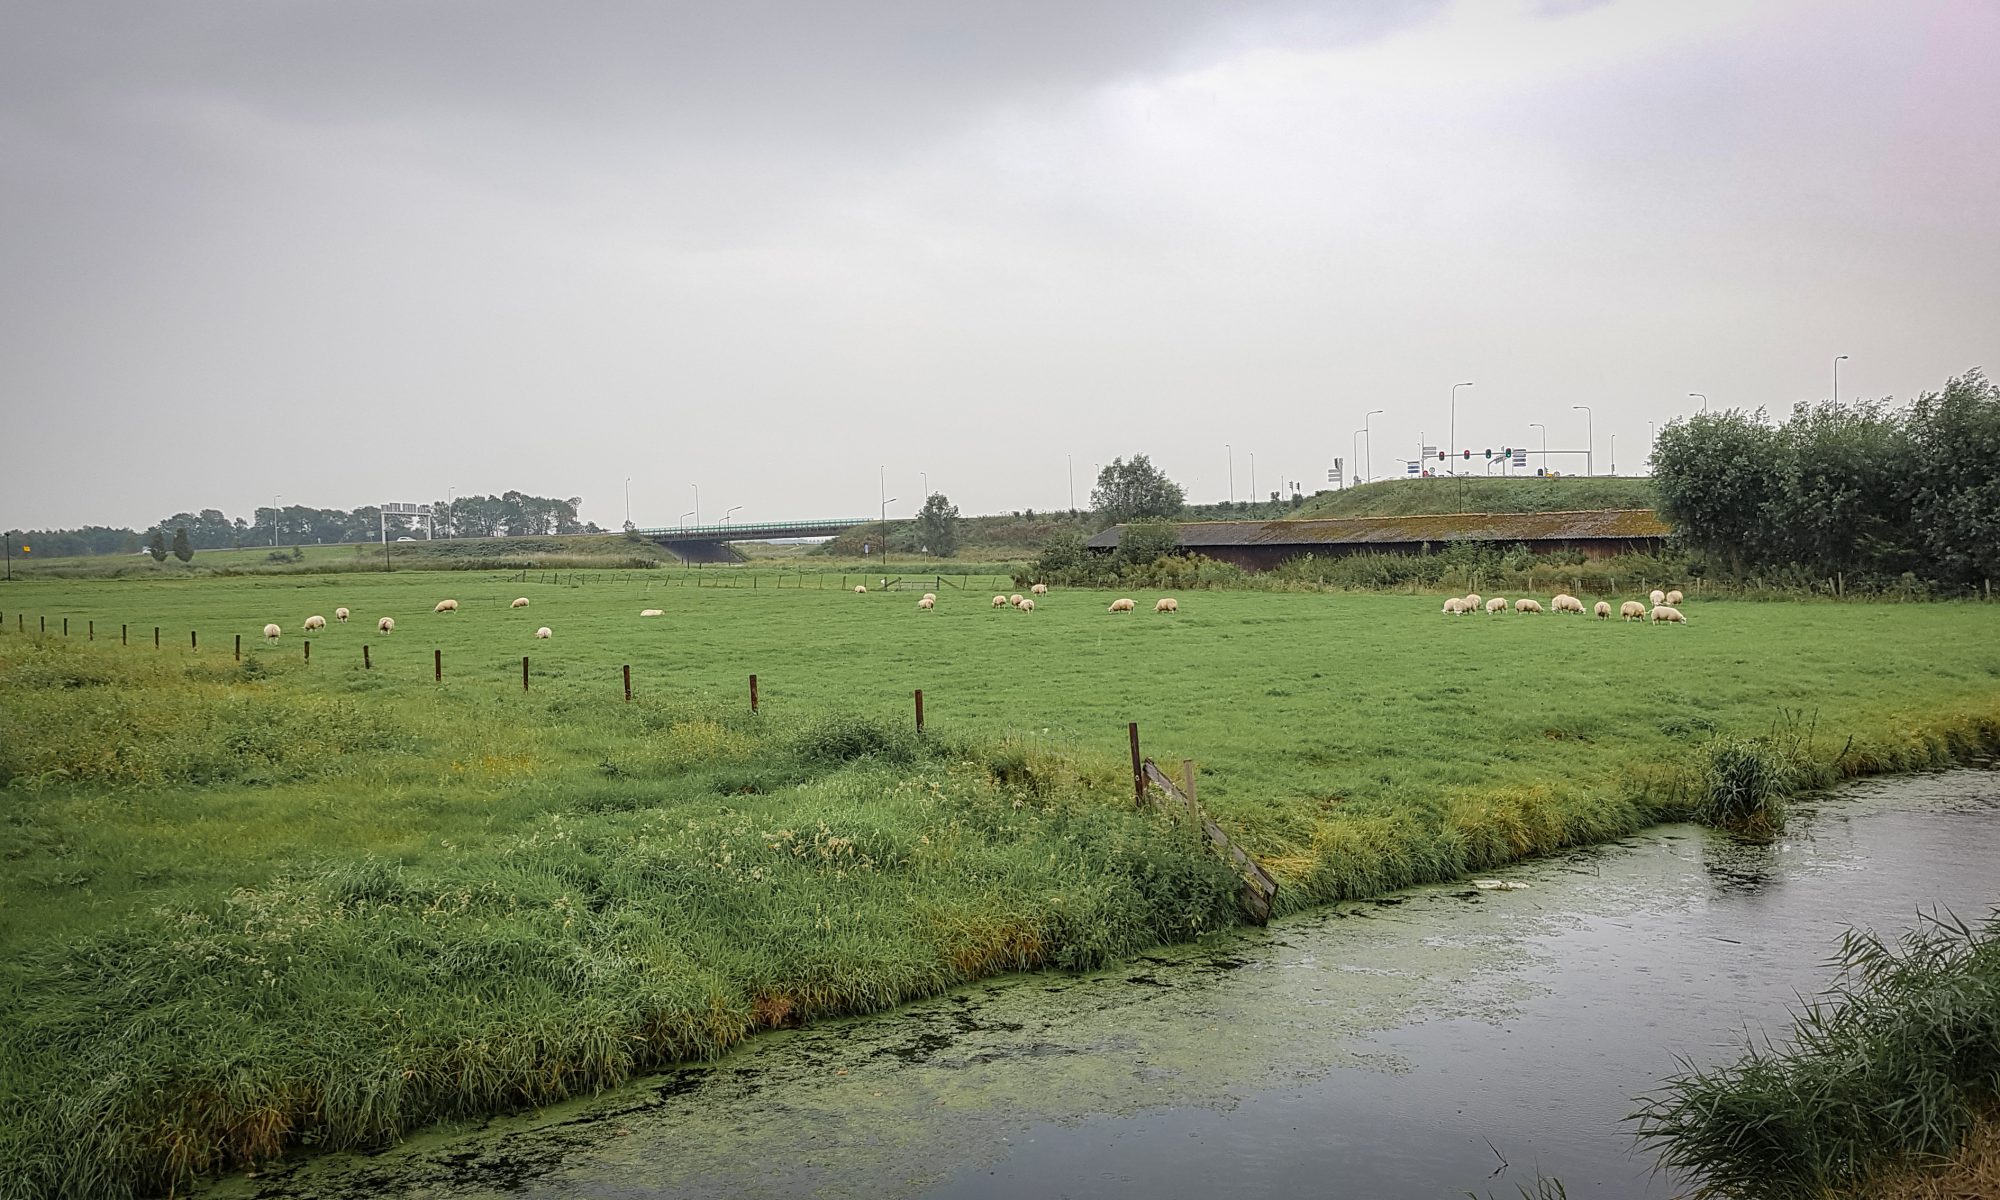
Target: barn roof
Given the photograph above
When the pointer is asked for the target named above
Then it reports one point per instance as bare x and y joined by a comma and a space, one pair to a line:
1431, 527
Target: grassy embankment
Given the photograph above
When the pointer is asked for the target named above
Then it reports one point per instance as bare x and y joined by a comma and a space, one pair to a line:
1409, 497
249, 908
1889, 1086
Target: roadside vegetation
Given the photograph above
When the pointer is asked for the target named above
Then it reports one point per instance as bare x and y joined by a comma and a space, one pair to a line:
270, 905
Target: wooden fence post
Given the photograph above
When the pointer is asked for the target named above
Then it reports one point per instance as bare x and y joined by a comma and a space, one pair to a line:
1187, 784
1138, 772
121, 636
156, 637
628, 683
65, 626
524, 672
45, 624
919, 693
239, 647
93, 631
365, 664
194, 642
309, 651
437, 665
753, 693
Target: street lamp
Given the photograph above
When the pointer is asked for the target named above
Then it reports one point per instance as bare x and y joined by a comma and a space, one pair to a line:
925, 476
1069, 469
1351, 443
1836, 378
886, 502
1614, 454
628, 502
684, 521
725, 516
1253, 477
1590, 439
1368, 439
1703, 398
1545, 443
1231, 451
697, 502
274, 520
1453, 447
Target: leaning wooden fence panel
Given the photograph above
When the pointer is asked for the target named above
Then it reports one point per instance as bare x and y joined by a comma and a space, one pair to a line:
1260, 891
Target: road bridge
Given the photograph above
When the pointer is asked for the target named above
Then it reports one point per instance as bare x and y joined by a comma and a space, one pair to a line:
709, 543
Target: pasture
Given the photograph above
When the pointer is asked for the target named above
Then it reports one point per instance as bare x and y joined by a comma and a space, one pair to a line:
259, 904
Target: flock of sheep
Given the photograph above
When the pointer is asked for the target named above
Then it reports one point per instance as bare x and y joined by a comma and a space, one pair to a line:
1166, 604
1664, 609
387, 625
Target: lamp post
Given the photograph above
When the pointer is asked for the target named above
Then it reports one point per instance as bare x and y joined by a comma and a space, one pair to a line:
628, 502
1590, 439
1069, 470
1703, 398
1452, 449
684, 521
1368, 440
886, 502
1351, 444
732, 509
274, 520
697, 502
1231, 452
1614, 454
1545, 443
1836, 377
1253, 477
925, 476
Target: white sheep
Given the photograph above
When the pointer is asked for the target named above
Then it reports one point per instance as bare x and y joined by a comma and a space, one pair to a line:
519, 602
1658, 597
926, 603
1632, 610
1666, 614
271, 633
1040, 589
1674, 597
1122, 604
1027, 606
544, 633
1527, 606
1603, 611
1015, 599
445, 606
386, 625
315, 623
340, 615
1497, 604
860, 590
651, 612
999, 601
1566, 603
1455, 605
1472, 602
931, 596
1167, 604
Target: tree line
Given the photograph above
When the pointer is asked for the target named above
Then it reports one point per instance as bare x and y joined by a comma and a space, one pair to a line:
1858, 493
509, 514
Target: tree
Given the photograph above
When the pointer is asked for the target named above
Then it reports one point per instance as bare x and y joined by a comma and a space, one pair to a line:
1136, 491
937, 525
1143, 543
157, 546
1955, 504
1716, 474
182, 550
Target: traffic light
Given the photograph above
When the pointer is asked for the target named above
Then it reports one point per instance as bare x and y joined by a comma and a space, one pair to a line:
1440, 456
1468, 454
1489, 452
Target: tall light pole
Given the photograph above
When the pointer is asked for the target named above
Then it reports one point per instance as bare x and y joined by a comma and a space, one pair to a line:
628, 502
1590, 438
1545, 443
1703, 398
1253, 477
732, 509
1368, 439
684, 521
697, 502
1231, 452
1353, 453
886, 502
1836, 377
1614, 454
1069, 470
1452, 449
925, 476
274, 520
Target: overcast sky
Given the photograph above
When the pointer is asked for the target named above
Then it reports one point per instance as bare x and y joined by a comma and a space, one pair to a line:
365, 251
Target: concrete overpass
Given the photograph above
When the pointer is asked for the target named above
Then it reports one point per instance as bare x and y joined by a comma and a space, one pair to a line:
710, 543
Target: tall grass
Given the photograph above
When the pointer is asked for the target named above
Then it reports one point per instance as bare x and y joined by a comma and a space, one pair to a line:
1892, 1068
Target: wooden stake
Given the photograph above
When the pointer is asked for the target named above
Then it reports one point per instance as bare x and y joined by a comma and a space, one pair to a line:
524, 672
65, 626
1138, 771
919, 693
309, 651
239, 647
93, 631
628, 683
156, 637
437, 665
753, 693
121, 636
365, 664
1187, 785
193, 642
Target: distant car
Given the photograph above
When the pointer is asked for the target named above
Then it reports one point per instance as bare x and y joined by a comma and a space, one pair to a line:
406, 539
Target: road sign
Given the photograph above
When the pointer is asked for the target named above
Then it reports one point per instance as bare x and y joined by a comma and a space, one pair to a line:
1520, 457
1414, 467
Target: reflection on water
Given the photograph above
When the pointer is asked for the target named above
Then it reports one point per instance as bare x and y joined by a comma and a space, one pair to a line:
1441, 1041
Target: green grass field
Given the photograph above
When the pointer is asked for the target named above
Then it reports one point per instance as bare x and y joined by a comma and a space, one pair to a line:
253, 907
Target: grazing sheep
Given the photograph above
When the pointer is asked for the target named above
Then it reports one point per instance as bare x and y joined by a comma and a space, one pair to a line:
999, 601
519, 602
1632, 610
315, 623
271, 633
1167, 604
1674, 597
1015, 599
1566, 603
1040, 589
1666, 614
543, 633
859, 590
1122, 604
1603, 611
1658, 596
926, 603
1527, 606
1455, 606
651, 612
445, 606
1472, 602
386, 625
340, 615
1027, 606
1497, 604
931, 596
